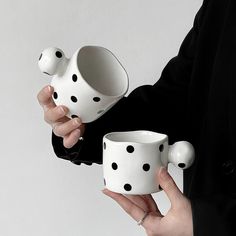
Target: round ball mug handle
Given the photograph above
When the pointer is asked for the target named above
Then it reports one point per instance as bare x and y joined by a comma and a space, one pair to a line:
181, 154
52, 61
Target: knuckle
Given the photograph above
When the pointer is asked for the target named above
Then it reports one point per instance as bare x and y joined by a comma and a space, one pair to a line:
59, 111
47, 116
58, 129
53, 115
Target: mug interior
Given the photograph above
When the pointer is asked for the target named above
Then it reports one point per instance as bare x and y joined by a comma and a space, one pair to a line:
136, 136
102, 71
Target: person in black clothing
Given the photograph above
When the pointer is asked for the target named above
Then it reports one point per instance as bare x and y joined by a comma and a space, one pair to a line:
199, 85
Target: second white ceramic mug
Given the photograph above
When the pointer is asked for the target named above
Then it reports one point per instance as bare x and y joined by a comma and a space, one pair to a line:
131, 160
89, 83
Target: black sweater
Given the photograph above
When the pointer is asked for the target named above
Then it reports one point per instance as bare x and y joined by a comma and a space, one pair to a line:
194, 100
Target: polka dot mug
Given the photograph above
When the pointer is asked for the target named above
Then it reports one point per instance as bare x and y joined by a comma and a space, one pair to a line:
89, 83
131, 160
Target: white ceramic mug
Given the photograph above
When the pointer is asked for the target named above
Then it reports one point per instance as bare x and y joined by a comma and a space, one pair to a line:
89, 83
131, 160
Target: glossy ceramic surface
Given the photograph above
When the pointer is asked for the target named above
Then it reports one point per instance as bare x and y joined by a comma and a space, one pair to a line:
89, 83
131, 159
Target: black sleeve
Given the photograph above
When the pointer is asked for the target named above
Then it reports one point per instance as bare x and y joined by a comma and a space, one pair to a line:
159, 107
214, 215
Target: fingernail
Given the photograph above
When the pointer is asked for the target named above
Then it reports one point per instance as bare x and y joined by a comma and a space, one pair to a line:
49, 88
163, 173
77, 121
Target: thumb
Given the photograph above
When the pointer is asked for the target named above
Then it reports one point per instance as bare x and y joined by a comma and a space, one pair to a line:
169, 186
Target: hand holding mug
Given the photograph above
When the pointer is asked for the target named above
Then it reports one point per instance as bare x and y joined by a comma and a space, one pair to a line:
88, 84
82, 89
131, 159
144, 210
69, 129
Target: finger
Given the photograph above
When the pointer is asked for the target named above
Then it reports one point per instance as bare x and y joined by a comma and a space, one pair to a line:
151, 203
146, 202
131, 208
70, 140
62, 129
55, 114
168, 185
45, 98
139, 201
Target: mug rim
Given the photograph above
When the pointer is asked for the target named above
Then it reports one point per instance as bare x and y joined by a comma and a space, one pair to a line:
157, 137
75, 57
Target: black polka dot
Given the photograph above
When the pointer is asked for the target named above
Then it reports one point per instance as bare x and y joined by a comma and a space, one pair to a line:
40, 56
46, 73
74, 77
58, 54
55, 95
73, 99
161, 148
104, 145
114, 166
146, 167
96, 99
130, 149
104, 182
181, 165
127, 187
160, 187
74, 116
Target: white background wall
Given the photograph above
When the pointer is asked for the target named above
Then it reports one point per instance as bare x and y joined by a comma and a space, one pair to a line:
41, 195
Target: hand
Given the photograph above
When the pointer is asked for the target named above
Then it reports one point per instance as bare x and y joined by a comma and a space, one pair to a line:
69, 129
177, 221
